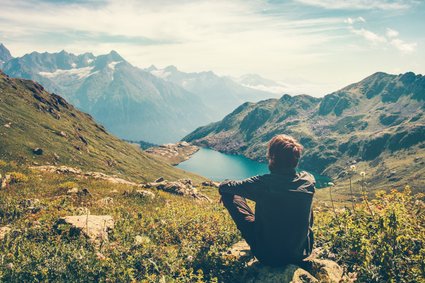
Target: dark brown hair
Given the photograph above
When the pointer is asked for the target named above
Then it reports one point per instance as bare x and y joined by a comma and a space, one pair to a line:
284, 152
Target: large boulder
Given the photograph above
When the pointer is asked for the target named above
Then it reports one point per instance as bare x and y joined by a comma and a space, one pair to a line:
95, 227
312, 269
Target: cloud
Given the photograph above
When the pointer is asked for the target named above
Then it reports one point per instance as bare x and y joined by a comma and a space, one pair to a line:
360, 4
369, 35
391, 33
351, 21
404, 47
391, 38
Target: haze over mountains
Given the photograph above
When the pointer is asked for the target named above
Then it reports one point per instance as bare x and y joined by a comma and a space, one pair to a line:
378, 123
153, 105
221, 94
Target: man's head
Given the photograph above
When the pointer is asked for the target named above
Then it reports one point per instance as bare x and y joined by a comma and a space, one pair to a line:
284, 152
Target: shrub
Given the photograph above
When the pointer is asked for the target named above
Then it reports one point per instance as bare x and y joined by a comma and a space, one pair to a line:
17, 177
387, 246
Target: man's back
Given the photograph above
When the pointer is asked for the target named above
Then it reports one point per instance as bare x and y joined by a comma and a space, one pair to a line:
283, 218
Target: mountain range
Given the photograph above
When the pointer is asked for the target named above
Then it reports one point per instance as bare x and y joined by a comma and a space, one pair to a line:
37, 127
377, 123
221, 94
154, 105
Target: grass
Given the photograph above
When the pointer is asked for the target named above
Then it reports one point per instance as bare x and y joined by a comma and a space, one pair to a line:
178, 239
67, 136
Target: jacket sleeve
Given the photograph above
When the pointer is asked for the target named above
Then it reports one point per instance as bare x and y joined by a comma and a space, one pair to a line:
249, 188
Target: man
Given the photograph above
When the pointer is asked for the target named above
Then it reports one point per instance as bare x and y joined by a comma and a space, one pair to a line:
279, 232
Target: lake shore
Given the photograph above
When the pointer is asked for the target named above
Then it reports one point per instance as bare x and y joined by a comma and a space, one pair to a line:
173, 153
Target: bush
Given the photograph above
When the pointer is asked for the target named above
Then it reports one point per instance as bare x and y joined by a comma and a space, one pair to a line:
17, 177
387, 246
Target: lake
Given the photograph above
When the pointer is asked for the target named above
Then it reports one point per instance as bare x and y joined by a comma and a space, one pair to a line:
219, 166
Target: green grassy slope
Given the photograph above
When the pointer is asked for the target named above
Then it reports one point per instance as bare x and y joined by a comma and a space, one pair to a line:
378, 123
32, 118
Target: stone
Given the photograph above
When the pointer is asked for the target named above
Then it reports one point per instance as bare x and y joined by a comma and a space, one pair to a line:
5, 181
159, 180
312, 270
141, 194
210, 184
4, 231
37, 151
72, 191
95, 227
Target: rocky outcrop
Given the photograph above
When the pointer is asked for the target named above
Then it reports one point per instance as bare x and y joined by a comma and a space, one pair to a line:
312, 269
174, 153
140, 194
80, 173
182, 187
95, 227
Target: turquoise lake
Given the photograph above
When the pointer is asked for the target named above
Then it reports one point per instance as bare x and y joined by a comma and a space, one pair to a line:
219, 166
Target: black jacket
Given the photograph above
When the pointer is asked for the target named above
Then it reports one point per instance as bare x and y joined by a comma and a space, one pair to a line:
283, 214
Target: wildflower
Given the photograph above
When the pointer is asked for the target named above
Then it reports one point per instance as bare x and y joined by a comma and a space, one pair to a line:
189, 258
362, 174
353, 168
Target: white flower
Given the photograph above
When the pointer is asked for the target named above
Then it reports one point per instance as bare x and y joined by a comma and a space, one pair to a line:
362, 173
353, 168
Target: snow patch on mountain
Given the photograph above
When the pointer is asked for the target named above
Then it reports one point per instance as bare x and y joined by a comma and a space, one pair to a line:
113, 64
79, 73
160, 73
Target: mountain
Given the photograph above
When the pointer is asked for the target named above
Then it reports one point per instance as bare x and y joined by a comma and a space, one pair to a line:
378, 123
131, 103
4, 55
220, 94
43, 128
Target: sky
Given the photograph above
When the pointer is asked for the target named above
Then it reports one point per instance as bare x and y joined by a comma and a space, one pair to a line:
312, 46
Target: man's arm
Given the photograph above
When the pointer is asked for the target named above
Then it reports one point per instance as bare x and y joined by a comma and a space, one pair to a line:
249, 188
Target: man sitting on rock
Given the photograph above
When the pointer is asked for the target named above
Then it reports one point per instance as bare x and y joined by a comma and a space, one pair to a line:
279, 232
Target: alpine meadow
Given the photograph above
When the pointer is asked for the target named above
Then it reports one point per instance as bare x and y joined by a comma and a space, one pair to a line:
124, 123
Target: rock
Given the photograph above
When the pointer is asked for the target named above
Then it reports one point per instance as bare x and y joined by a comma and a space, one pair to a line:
4, 231
5, 181
312, 270
7, 125
95, 227
84, 192
62, 134
141, 194
79, 192
80, 173
159, 180
106, 201
72, 191
186, 181
37, 151
210, 184
182, 187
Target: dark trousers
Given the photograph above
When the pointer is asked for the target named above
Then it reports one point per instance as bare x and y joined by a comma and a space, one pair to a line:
242, 215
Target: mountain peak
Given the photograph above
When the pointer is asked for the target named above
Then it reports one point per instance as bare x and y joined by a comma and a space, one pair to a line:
4, 54
115, 56
171, 68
